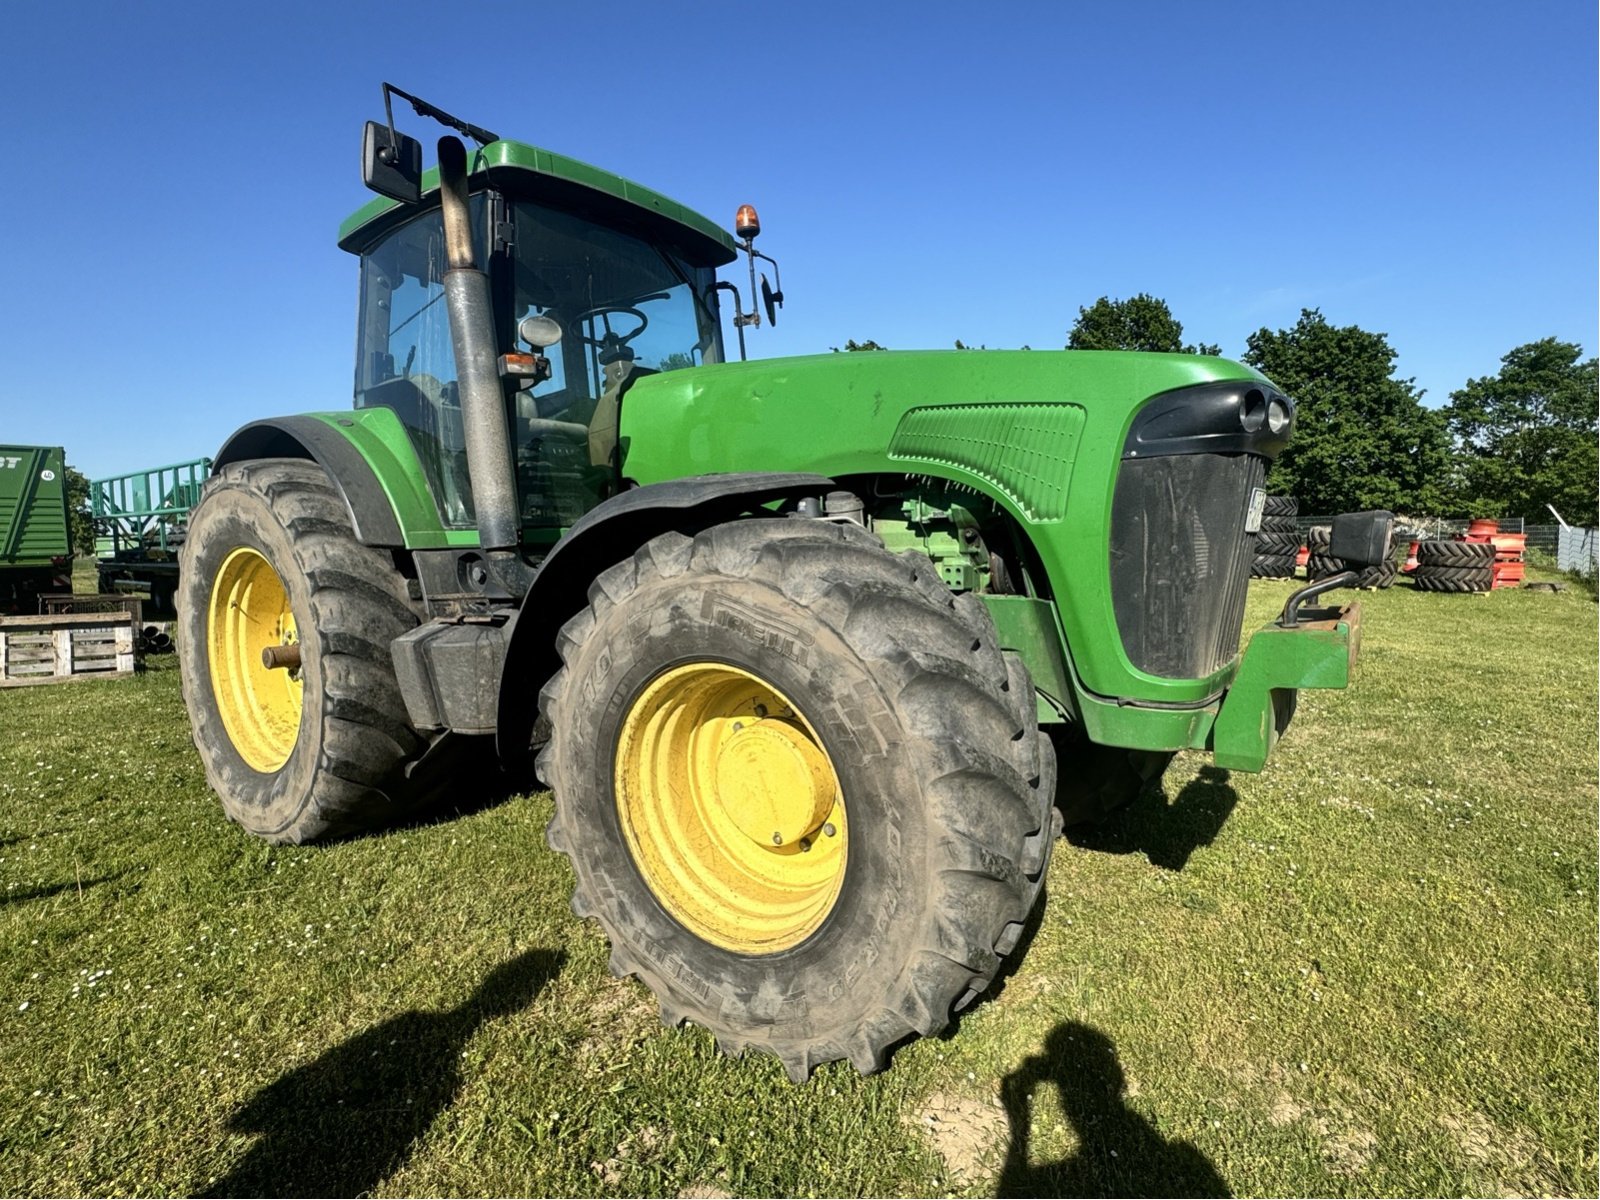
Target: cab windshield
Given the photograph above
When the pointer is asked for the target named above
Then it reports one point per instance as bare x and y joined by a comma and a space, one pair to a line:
624, 307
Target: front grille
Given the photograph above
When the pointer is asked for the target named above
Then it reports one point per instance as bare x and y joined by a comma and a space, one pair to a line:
1180, 559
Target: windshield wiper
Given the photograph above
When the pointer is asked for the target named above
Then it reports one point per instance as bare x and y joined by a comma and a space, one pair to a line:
677, 271
416, 314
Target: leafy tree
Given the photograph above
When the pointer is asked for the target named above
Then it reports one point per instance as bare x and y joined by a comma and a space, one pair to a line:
1142, 323
78, 509
1526, 436
852, 346
1362, 438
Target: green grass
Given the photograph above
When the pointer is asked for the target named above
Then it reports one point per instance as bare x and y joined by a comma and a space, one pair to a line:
1369, 970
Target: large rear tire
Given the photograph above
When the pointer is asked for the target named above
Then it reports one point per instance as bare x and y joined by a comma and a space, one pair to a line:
317, 752
803, 790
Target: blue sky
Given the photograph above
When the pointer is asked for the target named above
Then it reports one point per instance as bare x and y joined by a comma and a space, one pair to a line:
928, 171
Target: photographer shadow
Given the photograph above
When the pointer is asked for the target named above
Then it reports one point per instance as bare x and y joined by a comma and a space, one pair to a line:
1166, 833
1119, 1152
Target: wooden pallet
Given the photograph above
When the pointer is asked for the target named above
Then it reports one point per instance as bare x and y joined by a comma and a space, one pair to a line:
97, 602
65, 647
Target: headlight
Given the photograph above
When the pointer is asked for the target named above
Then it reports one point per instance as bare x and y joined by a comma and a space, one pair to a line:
1277, 415
1252, 410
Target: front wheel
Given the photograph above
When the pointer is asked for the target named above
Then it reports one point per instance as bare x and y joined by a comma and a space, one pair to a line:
317, 749
802, 788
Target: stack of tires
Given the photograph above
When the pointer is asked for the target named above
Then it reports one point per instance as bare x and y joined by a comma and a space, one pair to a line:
1508, 550
1278, 543
1448, 566
1321, 564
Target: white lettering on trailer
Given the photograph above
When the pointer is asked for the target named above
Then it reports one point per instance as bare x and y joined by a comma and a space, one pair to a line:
9, 463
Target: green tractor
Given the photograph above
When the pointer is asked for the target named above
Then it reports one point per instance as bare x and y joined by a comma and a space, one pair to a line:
815, 654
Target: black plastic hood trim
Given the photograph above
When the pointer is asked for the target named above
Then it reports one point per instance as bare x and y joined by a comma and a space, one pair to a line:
1206, 419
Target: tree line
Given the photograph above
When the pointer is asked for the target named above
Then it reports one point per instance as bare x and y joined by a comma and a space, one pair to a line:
1508, 444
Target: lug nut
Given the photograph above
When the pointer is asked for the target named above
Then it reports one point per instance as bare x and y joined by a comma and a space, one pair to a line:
777, 839
828, 829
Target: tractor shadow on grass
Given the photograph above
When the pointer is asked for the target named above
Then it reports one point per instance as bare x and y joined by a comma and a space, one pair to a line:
55, 889
1166, 832
461, 781
341, 1125
1119, 1152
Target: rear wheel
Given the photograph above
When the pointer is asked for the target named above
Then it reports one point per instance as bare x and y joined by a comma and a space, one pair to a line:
316, 750
802, 788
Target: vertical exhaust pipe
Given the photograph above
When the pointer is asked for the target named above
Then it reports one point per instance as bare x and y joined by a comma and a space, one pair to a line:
483, 408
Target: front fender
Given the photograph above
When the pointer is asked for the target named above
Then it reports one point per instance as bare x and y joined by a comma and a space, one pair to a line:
605, 535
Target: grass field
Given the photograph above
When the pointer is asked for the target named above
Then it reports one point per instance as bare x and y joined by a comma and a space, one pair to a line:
1369, 970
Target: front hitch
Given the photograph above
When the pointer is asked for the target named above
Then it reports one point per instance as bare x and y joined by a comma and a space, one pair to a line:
1312, 649
1291, 607
1362, 539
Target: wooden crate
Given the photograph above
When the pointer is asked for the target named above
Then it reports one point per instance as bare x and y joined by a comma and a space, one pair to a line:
98, 602
61, 648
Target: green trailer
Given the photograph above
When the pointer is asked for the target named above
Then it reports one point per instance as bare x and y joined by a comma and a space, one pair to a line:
140, 520
35, 526
817, 654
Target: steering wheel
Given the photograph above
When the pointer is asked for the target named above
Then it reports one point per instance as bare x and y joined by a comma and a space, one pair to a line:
613, 346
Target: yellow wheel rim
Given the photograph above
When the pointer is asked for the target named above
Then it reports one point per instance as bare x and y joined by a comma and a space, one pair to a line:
731, 808
260, 706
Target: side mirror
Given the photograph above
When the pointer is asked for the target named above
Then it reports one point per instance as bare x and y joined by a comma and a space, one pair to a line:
770, 300
1364, 538
391, 163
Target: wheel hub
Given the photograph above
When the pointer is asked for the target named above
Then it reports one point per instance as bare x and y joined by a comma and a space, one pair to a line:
731, 808
249, 613
774, 782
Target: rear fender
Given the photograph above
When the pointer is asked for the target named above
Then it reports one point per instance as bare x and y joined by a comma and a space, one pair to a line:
370, 460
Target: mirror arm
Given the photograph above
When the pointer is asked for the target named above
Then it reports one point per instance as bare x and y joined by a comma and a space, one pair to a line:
387, 153
752, 254
777, 276
739, 319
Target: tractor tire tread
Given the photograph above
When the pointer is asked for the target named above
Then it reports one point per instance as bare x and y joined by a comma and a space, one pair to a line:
967, 707
1276, 545
1272, 566
1440, 553
358, 607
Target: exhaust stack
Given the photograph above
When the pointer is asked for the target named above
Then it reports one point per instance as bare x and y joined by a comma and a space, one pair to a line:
483, 409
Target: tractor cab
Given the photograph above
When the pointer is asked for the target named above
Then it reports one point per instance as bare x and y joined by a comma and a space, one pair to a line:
594, 283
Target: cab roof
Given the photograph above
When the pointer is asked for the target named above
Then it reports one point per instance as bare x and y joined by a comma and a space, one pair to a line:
531, 172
